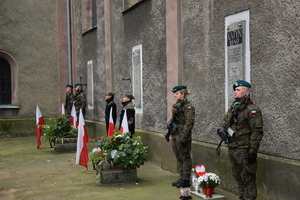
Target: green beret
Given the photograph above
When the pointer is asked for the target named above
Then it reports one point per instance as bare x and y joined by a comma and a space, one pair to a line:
110, 93
71, 86
130, 96
177, 88
77, 84
241, 83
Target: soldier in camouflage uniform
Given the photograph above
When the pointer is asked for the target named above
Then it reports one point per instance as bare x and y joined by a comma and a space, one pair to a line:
244, 142
69, 99
181, 123
79, 99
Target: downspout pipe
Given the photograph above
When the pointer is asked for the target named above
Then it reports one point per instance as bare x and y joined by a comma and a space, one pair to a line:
69, 43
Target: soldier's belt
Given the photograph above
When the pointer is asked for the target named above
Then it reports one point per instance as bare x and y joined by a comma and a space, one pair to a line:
240, 138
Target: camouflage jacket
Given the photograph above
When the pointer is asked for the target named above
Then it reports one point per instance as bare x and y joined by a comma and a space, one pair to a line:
248, 129
80, 101
183, 114
69, 102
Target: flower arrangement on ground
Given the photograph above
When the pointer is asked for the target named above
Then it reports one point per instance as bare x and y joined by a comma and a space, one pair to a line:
123, 151
59, 127
208, 180
96, 156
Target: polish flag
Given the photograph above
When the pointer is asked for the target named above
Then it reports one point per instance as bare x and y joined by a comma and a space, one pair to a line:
73, 116
124, 126
39, 121
63, 109
82, 156
111, 125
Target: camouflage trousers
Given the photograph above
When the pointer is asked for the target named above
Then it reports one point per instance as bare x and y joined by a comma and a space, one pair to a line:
183, 157
243, 173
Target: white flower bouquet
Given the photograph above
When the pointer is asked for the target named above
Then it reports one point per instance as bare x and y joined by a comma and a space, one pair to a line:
209, 180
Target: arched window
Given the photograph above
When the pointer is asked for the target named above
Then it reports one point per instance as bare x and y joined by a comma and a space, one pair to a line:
5, 82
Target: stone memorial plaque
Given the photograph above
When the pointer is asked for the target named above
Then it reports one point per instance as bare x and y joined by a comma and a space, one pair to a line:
236, 62
90, 85
137, 81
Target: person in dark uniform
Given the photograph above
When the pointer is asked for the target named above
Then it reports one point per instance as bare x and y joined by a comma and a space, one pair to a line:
79, 99
243, 134
130, 112
69, 99
181, 124
110, 104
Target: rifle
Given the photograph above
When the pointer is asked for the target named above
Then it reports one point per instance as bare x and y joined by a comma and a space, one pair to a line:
172, 124
232, 120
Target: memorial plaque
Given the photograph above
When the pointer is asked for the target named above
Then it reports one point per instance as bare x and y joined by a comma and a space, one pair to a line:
236, 62
137, 79
90, 85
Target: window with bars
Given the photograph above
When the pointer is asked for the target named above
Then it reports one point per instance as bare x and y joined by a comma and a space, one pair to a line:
5, 82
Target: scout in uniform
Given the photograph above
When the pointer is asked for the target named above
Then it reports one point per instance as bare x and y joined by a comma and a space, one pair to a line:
130, 112
110, 104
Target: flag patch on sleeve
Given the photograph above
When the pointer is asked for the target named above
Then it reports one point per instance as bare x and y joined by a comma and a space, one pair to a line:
189, 107
253, 112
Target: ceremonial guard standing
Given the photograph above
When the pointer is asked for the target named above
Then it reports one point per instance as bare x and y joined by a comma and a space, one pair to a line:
110, 104
242, 128
79, 99
69, 99
180, 128
130, 112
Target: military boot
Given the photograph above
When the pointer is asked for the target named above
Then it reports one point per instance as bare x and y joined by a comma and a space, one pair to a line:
184, 184
176, 182
185, 198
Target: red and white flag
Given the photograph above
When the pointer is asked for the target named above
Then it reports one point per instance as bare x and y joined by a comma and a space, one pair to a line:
124, 126
63, 109
39, 121
111, 125
82, 156
73, 116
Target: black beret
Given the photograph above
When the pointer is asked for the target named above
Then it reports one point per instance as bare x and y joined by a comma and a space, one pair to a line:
71, 86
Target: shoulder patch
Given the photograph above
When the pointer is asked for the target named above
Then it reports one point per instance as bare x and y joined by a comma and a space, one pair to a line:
189, 107
253, 112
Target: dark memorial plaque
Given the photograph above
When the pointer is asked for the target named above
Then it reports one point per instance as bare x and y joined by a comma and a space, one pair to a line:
236, 62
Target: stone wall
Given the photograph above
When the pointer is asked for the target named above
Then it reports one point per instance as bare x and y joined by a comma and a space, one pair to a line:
29, 33
273, 69
274, 72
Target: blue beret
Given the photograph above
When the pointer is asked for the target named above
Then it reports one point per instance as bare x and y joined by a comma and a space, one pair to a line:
71, 86
177, 88
241, 83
